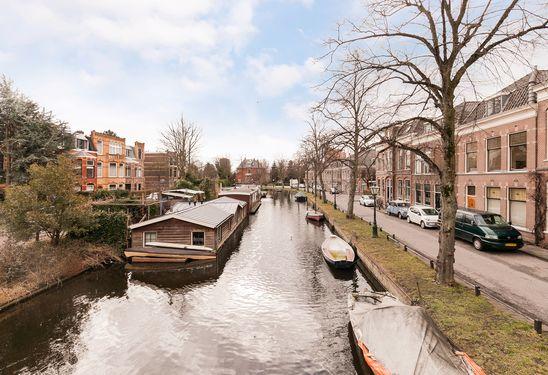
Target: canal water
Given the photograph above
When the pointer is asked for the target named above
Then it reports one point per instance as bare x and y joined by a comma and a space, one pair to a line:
275, 308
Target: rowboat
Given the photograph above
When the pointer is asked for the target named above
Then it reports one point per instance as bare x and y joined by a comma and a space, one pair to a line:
314, 215
394, 338
338, 253
300, 197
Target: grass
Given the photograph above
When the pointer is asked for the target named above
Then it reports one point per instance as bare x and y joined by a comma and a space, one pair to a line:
495, 339
27, 267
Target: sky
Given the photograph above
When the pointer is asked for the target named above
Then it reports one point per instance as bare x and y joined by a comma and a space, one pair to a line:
243, 70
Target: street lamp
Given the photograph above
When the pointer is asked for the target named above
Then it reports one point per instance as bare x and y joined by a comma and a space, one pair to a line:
374, 192
334, 192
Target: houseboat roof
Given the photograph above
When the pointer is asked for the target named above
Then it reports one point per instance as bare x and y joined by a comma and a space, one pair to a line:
224, 203
177, 195
206, 215
186, 191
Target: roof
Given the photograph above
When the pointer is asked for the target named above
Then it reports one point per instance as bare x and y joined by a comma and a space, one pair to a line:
251, 163
186, 191
206, 215
177, 195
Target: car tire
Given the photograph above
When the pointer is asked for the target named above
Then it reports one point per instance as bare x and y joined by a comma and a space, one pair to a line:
478, 245
399, 215
422, 225
408, 220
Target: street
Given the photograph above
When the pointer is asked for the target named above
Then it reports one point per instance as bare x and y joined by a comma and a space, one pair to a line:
519, 278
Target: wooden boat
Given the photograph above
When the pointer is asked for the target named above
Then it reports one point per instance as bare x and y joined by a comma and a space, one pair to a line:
300, 197
159, 252
394, 338
338, 253
314, 215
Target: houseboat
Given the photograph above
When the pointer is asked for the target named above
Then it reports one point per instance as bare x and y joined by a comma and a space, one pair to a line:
187, 233
249, 194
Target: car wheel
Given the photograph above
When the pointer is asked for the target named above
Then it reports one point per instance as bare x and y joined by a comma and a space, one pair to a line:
399, 215
478, 245
422, 225
408, 220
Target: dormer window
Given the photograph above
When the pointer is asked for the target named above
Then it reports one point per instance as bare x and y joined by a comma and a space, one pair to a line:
495, 105
81, 144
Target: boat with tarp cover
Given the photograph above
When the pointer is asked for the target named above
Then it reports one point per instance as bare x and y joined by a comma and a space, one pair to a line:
394, 338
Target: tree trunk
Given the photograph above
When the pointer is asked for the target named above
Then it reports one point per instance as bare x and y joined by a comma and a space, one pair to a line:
55, 238
352, 190
324, 195
446, 253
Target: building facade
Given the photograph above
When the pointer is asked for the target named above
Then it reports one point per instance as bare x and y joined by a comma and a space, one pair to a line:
161, 173
119, 166
85, 162
502, 157
251, 171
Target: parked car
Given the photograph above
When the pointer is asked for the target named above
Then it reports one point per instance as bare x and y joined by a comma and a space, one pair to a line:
367, 200
486, 230
301, 186
425, 216
334, 190
397, 208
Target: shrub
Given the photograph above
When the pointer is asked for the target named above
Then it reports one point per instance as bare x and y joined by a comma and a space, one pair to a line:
100, 195
185, 184
109, 228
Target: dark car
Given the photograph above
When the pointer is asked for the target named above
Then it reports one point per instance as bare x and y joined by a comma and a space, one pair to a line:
486, 230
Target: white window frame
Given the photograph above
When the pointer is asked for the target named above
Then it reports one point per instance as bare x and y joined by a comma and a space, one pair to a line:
145, 236
100, 169
509, 157
100, 147
487, 155
115, 172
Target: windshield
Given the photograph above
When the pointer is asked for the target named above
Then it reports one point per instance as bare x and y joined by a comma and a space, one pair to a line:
490, 219
403, 204
366, 197
429, 211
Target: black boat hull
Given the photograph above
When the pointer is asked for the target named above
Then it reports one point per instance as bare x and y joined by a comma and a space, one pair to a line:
340, 264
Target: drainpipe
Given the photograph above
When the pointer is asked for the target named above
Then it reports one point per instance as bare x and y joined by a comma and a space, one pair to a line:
532, 101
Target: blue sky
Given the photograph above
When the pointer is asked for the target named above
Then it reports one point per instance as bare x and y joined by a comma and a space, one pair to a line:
243, 70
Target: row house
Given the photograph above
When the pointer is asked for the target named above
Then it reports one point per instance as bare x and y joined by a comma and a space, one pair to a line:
502, 155
104, 161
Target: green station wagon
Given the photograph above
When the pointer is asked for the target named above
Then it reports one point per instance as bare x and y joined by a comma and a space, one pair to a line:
486, 230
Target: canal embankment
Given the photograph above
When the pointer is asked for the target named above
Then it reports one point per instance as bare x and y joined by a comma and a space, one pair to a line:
28, 269
493, 337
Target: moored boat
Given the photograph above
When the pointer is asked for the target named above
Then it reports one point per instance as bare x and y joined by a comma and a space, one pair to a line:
338, 253
394, 338
314, 215
300, 197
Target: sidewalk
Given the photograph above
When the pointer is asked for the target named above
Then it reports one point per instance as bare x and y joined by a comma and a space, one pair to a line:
536, 251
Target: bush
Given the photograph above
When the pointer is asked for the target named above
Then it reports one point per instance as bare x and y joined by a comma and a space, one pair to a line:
109, 228
185, 184
100, 195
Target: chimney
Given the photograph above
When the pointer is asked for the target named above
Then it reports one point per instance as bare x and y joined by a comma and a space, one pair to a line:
531, 95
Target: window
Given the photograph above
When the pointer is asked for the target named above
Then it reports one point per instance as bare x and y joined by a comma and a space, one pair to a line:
400, 189
407, 190
115, 148
90, 187
219, 234
198, 238
112, 187
471, 156
493, 199
471, 196
518, 150
90, 169
138, 173
81, 144
121, 170
129, 152
401, 159
517, 198
418, 165
408, 159
112, 170
418, 193
128, 171
139, 153
437, 197
99, 169
100, 147
493, 154
427, 196
149, 237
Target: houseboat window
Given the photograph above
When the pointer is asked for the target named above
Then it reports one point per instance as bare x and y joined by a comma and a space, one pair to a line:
198, 238
471, 156
149, 237
518, 150
517, 198
99, 169
493, 154
112, 170
219, 234
90, 169
100, 147
418, 193
493, 199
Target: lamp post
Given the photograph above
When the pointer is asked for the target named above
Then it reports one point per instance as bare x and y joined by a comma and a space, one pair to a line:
374, 192
335, 192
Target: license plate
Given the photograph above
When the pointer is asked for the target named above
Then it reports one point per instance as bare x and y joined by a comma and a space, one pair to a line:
511, 245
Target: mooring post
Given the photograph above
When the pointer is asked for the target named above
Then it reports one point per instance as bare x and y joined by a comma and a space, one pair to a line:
404, 247
477, 290
431, 264
538, 326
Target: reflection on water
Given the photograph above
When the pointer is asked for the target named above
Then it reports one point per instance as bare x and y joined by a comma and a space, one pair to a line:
276, 307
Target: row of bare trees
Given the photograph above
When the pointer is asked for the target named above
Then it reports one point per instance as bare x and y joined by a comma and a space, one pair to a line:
415, 61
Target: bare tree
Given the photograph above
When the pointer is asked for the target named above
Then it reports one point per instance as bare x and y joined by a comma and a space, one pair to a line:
431, 50
182, 139
347, 105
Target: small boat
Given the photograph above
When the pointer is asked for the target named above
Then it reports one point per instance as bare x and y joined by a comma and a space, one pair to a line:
338, 253
300, 197
314, 215
394, 338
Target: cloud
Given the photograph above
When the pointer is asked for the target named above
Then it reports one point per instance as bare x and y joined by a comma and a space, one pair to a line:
276, 79
298, 112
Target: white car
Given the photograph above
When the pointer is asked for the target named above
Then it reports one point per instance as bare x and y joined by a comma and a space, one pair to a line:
425, 216
367, 200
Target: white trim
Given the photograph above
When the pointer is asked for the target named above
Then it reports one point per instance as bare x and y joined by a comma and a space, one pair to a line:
526, 150
198, 231
145, 235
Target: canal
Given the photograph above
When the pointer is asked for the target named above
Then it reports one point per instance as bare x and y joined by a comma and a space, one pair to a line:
275, 308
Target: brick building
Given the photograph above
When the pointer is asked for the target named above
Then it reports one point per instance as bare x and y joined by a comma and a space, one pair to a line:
251, 171
85, 163
161, 173
503, 143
